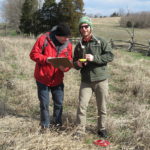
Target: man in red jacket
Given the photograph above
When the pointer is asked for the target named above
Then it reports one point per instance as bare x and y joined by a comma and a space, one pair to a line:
49, 79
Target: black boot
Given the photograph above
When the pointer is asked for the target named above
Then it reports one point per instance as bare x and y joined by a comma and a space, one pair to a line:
102, 133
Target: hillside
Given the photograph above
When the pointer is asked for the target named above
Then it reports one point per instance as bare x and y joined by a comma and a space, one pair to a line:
128, 120
110, 29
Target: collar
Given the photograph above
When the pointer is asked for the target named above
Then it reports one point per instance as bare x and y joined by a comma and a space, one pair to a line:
87, 39
54, 40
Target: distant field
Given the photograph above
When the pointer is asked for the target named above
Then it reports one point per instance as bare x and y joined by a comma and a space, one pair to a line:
108, 21
109, 28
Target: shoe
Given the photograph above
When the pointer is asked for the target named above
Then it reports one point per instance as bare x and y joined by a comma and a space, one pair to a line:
57, 127
60, 127
102, 133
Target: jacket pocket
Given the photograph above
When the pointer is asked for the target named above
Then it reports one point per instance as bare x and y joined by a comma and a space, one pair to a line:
40, 70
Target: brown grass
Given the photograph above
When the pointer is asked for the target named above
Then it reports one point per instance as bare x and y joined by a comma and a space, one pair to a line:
109, 28
109, 21
128, 119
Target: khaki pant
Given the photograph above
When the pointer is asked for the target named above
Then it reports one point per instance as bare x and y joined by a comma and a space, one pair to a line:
100, 88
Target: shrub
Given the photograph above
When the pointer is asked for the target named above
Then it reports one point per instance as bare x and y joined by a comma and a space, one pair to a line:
137, 20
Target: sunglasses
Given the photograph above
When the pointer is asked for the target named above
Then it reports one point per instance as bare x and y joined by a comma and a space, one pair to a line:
85, 26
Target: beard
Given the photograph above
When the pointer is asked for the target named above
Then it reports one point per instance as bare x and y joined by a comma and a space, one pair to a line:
86, 34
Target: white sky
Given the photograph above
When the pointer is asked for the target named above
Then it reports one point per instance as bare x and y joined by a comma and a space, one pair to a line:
107, 7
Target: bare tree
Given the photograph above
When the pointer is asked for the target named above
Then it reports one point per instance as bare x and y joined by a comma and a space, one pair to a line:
121, 12
12, 12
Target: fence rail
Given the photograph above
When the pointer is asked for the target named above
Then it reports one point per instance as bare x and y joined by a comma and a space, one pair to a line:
75, 40
132, 46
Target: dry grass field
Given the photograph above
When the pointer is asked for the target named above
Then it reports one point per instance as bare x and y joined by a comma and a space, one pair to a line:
110, 29
128, 121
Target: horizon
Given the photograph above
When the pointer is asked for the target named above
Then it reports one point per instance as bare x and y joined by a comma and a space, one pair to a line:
108, 7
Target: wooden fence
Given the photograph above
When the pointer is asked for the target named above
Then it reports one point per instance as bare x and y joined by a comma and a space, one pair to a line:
75, 40
130, 45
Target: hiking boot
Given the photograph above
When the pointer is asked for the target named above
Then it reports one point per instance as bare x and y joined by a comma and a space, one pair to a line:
102, 133
57, 127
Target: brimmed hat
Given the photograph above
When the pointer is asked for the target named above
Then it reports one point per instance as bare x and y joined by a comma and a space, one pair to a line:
62, 30
86, 20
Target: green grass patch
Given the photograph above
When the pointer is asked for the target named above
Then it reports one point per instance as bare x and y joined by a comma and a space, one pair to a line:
118, 109
136, 55
14, 66
114, 88
9, 32
88, 141
22, 76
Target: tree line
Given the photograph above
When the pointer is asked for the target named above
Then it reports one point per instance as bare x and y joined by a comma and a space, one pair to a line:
136, 20
32, 17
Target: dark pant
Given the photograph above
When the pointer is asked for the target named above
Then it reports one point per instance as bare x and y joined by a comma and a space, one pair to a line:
57, 96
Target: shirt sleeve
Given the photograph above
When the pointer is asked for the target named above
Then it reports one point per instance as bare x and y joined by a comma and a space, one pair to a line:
106, 56
36, 52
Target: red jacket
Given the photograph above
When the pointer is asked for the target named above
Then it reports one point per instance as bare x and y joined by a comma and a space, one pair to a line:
44, 72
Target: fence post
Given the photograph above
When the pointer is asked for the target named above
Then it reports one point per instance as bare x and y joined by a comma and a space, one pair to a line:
131, 46
112, 43
148, 53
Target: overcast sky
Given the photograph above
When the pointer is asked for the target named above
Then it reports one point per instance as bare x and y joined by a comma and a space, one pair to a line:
107, 7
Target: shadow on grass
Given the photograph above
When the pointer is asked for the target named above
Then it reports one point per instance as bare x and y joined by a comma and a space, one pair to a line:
6, 110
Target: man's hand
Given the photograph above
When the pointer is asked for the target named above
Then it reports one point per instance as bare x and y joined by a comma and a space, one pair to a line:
79, 63
47, 60
89, 57
62, 68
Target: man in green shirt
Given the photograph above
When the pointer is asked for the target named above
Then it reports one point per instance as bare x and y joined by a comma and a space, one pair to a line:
91, 56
